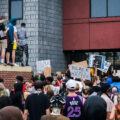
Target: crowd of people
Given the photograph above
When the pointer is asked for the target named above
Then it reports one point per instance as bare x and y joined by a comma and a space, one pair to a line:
11, 40
61, 98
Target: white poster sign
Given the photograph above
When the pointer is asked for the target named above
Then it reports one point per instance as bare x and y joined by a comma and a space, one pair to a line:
97, 61
41, 65
80, 72
106, 67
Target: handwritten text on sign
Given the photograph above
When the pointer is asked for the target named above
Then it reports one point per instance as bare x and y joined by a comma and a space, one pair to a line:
80, 72
41, 65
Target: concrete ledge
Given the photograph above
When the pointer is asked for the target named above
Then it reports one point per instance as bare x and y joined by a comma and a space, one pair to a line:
15, 68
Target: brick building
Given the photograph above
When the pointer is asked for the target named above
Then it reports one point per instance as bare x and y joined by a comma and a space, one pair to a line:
92, 27
43, 20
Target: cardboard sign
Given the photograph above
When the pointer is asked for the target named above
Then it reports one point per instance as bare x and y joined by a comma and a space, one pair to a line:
59, 73
48, 72
80, 64
106, 67
80, 72
41, 65
97, 61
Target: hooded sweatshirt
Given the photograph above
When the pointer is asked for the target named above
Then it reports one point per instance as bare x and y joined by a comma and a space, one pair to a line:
10, 34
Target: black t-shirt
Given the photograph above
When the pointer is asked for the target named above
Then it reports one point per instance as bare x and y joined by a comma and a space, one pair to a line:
95, 89
37, 104
5, 101
2, 27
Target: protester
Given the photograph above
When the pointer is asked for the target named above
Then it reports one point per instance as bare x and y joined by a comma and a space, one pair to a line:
3, 92
86, 92
27, 90
23, 46
48, 91
7, 90
67, 77
117, 109
20, 79
95, 108
74, 103
5, 101
36, 104
95, 82
17, 96
49, 81
105, 95
10, 113
59, 80
3, 39
57, 104
114, 95
10, 36
15, 43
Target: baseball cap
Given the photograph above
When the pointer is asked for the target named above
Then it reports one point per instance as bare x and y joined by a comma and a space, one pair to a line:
109, 80
71, 84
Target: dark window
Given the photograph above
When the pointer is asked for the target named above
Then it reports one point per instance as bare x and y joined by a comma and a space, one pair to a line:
16, 9
105, 8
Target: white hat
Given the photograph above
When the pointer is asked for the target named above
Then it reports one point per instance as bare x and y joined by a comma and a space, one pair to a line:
71, 84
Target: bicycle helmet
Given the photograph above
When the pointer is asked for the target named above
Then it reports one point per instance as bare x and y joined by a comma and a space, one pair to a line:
57, 100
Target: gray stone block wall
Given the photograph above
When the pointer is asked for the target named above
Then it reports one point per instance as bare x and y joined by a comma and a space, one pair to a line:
43, 20
50, 33
4, 8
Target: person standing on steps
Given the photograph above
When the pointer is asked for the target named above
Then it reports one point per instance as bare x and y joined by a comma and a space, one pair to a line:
22, 45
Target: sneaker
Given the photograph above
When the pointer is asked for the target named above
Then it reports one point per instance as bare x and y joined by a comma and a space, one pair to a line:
14, 64
9, 64
27, 65
22, 64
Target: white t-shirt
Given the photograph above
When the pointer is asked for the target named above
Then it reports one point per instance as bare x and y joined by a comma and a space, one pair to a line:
15, 31
2, 34
55, 89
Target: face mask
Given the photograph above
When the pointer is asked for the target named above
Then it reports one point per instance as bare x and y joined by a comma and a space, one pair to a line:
114, 92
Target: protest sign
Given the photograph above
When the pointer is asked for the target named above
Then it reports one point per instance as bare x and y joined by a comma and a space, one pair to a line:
97, 61
80, 72
41, 65
118, 73
48, 72
59, 73
106, 67
80, 64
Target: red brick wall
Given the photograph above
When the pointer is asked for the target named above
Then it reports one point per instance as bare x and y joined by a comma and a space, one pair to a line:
10, 77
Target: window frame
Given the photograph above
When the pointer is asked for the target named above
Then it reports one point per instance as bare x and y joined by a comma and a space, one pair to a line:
10, 1
106, 11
